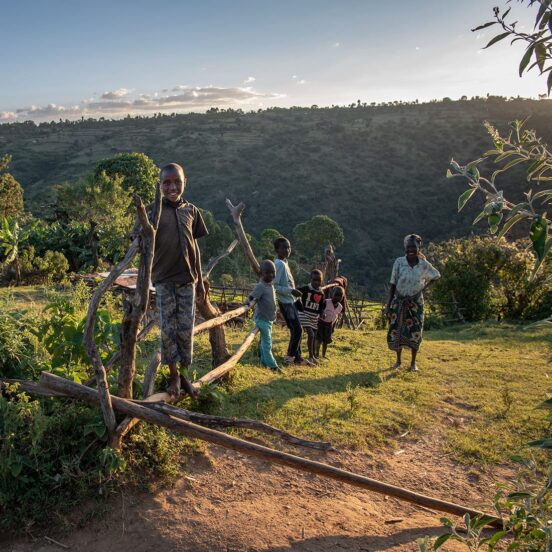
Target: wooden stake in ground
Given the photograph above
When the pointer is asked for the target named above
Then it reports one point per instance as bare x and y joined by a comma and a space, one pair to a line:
90, 343
236, 212
135, 306
252, 449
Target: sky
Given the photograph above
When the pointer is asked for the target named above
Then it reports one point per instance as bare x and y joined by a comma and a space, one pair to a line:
72, 58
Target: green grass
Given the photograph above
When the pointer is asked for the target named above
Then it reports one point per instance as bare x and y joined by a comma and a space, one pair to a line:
478, 389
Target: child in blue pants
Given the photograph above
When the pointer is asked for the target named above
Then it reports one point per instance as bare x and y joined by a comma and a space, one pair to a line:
265, 312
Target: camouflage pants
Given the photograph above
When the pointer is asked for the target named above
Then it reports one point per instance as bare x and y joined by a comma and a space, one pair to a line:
176, 308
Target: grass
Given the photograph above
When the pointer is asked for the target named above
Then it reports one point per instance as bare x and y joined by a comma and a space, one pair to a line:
478, 388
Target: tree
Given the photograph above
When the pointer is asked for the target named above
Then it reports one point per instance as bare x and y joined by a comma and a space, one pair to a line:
266, 242
139, 174
311, 237
100, 200
520, 146
11, 192
538, 43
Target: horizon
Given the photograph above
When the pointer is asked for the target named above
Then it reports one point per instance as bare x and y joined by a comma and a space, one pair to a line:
248, 55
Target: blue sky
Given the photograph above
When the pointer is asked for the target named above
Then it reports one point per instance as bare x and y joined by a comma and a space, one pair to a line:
67, 58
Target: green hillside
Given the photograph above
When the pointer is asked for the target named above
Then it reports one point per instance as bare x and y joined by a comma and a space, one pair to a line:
377, 170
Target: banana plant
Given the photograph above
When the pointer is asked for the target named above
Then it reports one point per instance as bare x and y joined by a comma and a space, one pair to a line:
10, 240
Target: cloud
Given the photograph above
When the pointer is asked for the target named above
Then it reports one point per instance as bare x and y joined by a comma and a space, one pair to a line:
302, 81
8, 116
336, 44
293, 76
184, 99
115, 94
249, 80
180, 87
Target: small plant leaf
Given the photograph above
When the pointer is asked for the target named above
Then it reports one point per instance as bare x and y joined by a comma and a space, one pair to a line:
463, 199
496, 39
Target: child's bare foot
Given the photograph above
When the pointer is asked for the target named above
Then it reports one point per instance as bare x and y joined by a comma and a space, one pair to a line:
173, 388
189, 388
396, 366
414, 368
288, 360
313, 360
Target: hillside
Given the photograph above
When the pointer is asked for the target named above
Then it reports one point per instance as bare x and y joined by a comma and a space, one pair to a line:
377, 170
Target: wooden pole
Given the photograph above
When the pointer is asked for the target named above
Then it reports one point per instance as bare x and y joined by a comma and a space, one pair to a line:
90, 343
236, 212
252, 449
224, 368
136, 305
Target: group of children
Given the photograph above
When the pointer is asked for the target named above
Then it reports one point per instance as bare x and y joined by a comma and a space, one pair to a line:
307, 309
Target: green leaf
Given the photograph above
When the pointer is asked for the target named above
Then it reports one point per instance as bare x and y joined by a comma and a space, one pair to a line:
505, 155
495, 538
538, 235
16, 469
449, 173
446, 521
542, 193
463, 199
541, 443
496, 39
519, 495
510, 223
515, 209
441, 540
526, 59
479, 217
484, 26
513, 162
540, 55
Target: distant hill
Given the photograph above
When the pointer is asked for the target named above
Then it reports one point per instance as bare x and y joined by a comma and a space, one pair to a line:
377, 170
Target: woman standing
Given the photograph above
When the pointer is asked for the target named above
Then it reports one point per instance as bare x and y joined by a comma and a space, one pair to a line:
405, 307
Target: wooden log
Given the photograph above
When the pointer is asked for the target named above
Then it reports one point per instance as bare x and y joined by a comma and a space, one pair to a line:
151, 372
135, 306
225, 367
253, 449
242, 423
216, 260
223, 318
90, 343
236, 212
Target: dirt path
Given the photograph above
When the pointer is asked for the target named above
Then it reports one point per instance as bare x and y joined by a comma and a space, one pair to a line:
228, 502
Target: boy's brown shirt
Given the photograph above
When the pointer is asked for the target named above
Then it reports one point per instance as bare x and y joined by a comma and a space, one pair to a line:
179, 227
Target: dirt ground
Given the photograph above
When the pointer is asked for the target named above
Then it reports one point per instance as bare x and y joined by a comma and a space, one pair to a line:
229, 502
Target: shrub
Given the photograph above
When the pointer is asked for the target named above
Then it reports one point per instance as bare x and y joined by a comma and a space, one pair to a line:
53, 456
489, 278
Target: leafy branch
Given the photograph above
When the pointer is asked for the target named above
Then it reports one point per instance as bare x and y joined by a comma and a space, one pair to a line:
538, 43
519, 146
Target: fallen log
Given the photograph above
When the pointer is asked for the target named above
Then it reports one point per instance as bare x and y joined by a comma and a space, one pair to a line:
192, 430
242, 423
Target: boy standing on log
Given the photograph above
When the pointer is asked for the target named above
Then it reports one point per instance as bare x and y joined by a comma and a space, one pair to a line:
176, 275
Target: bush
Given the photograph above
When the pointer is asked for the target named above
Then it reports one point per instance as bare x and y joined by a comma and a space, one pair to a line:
53, 457
489, 278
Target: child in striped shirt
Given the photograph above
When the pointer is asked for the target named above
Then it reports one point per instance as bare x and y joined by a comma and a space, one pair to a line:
311, 308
